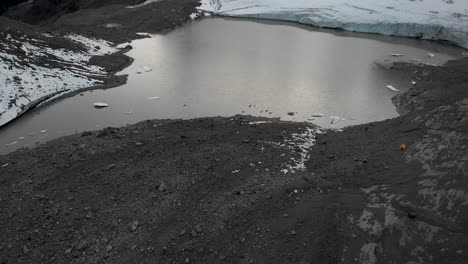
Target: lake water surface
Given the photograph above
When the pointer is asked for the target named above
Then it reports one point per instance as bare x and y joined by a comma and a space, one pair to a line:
224, 67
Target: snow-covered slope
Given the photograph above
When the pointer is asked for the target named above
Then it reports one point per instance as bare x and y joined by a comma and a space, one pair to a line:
428, 19
35, 69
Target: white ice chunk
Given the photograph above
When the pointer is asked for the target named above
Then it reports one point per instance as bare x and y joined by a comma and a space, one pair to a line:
318, 115
398, 55
392, 88
153, 98
413, 83
430, 55
43, 131
147, 69
100, 105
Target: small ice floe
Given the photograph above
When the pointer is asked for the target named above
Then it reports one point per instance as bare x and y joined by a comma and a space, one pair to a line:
318, 115
430, 55
398, 55
100, 105
5, 165
43, 131
311, 118
392, 88
193, 16
413, 83
153, 98
147, 69
235, 171
12, 143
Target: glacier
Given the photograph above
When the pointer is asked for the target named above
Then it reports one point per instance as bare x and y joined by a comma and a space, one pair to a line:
445, 20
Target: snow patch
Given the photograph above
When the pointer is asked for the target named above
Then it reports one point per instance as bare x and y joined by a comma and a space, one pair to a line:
299, 144
258, 122
26, 82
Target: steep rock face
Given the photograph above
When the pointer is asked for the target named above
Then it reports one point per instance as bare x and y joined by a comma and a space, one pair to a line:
430, 19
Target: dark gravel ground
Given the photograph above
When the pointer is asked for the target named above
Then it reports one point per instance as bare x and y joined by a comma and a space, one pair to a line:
213, 190
221, 190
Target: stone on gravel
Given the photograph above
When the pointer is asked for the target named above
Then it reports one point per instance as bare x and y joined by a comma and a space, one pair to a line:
162, 187
133, 226
25, 250
82, 245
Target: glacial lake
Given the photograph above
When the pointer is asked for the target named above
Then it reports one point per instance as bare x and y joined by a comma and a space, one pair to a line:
223, 67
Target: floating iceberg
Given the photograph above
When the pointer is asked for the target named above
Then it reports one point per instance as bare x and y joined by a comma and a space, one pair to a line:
428, 19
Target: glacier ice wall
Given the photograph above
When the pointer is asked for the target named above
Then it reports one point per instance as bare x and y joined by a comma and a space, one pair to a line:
428, 19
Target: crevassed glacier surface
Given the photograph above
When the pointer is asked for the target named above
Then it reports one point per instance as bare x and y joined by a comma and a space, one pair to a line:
427, 19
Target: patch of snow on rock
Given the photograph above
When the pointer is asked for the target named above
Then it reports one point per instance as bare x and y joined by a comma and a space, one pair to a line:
27, 80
